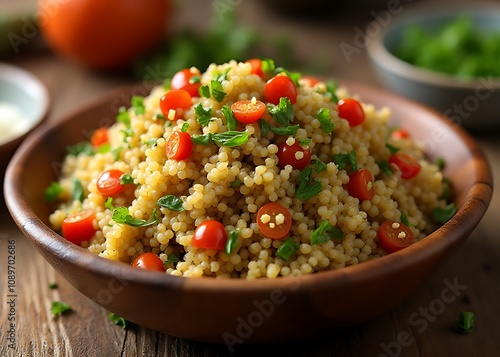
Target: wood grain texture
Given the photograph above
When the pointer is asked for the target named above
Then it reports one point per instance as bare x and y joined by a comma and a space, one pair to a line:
422, 324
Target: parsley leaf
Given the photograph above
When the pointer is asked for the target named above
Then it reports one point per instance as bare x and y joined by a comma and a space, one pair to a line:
126, 179
204, 91
53, 286
325, 232
404, 219
285, 130
121, 215
393, 149
319, 166
231, 121
185, 127
109, 204
205, 139
231, 138
283, 112
204, 114
465, 322
442, 215
217, 90
123, 116
237, 182
138, 104
171, 202
287, 249
307, 189
232, 241
385, 168
265, 127
344, 160
81, 148
331, 88
59, 308
53, 191
77, 190
172, 259
324, 119
118, 320
268, 67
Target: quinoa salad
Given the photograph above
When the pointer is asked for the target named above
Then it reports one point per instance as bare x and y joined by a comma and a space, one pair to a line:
248, 170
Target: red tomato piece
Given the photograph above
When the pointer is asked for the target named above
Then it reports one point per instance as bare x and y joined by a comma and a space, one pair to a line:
179, 145
274, 220
187, 79
400, 133
394, 236
360, 185
210, 234
248, 111
278, 87
352, 111
173, 100
256, 64
408, 166
309, 81
149, 261
79, 227
294, 155
99, 137
108, 184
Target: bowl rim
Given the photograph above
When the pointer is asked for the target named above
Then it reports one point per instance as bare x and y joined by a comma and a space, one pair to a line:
380, 55
478, 196
12, 73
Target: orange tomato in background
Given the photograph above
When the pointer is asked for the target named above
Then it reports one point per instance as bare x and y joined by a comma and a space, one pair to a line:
103, 34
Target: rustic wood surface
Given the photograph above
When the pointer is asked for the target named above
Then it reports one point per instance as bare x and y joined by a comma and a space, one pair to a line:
421, 326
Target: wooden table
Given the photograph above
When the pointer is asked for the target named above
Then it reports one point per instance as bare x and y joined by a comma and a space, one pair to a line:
421, 326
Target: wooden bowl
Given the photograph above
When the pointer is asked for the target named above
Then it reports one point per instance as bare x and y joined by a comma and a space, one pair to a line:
240, 311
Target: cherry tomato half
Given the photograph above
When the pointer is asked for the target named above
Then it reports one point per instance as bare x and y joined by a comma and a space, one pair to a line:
408, 166
248, 111
352, 111
294, 155
99, 137
394, 236
179, 145
184, 80
173, 100
108, 184
210, 234
79, 227
274, 220
400, 133
360, 185
256, 64
278, 87
149, 261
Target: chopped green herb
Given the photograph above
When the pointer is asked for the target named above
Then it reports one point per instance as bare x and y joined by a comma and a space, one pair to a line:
217, 90
392, 148
319, 166
53, 286
167, 83
205, 139
287, 249
440, 163
123, 116
118, 320
285, 131
231, 121
236, 183
116, 153
404, 219
121, 215
53, 191
127, 133
442, 215
325, 232
331, 88
268, 67
221, 77
231, 138
159, 116
104, 148
126, 179
283, 112
138, 104
185, 127
465, 322
151, 142
265, 127
172, 259
171, 202
59, 308
109, 204
204, 114
194, 80
305, 142
306, 188
447, 186
385, 168
204, 91
168, 123
81, 148
344, 160
77, 190
324, 119
232, 241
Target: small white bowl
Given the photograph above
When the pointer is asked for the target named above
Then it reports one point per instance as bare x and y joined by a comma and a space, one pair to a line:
24, 105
